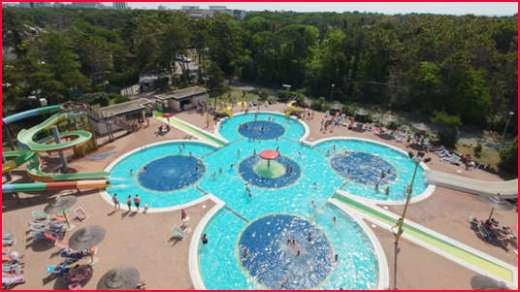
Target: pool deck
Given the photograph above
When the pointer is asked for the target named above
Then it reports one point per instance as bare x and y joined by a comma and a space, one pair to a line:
141, 240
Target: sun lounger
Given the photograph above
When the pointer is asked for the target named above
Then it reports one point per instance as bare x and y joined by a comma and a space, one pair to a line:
12, 268
79, 214
177, 234
7, 239
39, 215
8, 256
11, 280
453, 159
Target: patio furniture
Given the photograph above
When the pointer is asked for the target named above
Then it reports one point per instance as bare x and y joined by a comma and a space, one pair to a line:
79, 214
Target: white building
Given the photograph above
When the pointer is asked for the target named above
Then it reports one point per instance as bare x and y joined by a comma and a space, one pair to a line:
120, 5
87, 5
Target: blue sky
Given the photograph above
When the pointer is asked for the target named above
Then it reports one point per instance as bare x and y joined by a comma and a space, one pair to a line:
455, 8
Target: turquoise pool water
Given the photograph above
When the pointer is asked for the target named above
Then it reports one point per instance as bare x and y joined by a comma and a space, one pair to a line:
305, 197
124, 176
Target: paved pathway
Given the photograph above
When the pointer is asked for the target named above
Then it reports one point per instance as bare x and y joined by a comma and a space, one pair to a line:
506, 189
438, 243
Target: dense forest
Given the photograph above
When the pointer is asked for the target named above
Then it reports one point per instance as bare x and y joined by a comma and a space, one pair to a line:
464, 67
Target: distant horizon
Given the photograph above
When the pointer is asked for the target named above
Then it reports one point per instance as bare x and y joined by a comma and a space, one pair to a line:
449, 8
388, 8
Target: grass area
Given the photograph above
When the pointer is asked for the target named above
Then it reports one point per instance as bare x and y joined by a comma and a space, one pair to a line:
488, 155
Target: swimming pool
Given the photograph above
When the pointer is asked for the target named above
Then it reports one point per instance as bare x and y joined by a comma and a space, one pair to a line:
318, 245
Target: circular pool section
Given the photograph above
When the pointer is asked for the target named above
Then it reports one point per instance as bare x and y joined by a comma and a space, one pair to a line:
164, 174
261, 130
171, 173
364, 168
285, 252
278, 173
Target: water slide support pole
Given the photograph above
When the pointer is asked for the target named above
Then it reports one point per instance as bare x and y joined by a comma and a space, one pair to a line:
56, 134
9, 136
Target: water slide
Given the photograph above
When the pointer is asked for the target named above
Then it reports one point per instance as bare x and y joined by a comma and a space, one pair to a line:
192, 130
69, 138
506, 189
26, 137
14, 159
453, 250
49, 186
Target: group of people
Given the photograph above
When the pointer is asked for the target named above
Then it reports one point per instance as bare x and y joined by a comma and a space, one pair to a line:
136, 202
163, 129
491, 231
330, 121
308, 114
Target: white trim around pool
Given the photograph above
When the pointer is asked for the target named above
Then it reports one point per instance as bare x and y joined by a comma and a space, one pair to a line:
193, 253
424, 195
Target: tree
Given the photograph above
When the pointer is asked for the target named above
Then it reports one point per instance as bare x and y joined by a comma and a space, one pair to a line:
509, 158
53, 67
448, 135
226, 43
215, 79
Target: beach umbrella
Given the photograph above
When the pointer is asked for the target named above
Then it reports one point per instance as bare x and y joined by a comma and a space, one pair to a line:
124, 278
269, 155
60, 206
481, 282
87, 237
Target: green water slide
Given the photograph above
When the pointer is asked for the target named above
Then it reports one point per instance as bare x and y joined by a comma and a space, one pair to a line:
71, 138
33, 168
192, 130
13, 159
456, 251
27, 137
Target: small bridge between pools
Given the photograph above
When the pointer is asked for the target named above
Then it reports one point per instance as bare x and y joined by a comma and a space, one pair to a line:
192, 130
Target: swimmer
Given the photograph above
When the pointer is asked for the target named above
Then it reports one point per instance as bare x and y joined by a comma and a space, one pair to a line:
131, 171
220, 170
313, 204
334, 219
387, 191
377, 187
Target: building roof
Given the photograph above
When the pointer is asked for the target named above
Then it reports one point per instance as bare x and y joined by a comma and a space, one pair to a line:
123, 108
183, 93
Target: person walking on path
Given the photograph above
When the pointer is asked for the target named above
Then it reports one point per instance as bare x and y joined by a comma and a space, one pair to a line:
129, 203
115, 200
137, 202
